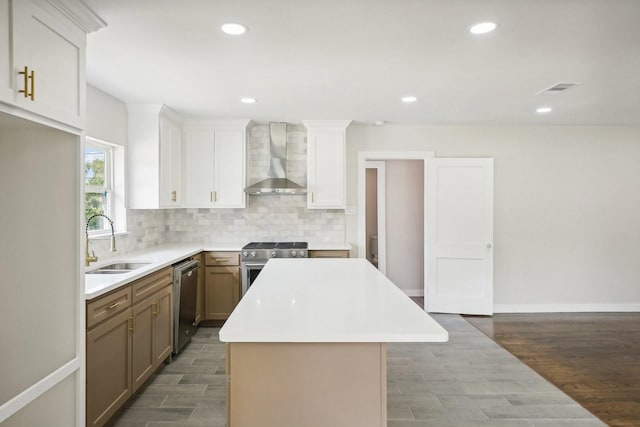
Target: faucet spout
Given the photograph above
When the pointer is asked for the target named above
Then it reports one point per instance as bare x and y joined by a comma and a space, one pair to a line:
89, 258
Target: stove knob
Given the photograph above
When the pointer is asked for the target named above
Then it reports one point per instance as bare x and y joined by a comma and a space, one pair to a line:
301, 253
253, 254
245, 253
273, 254
293, 253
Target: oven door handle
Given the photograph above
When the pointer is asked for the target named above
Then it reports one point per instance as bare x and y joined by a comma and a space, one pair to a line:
256, 266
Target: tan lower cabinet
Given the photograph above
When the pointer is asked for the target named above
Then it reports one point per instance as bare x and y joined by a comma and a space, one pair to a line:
109, 350
222, 291
221, 284
200, 290
328, 254
125, 347
163, 325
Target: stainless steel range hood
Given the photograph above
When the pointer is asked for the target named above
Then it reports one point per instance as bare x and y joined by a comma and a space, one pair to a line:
277, 182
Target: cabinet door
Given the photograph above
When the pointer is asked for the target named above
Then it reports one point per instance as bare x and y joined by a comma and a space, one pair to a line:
163, 325
200, 290
108, 368
6, 73
222, 291
143, 352
170, 164
326, 169
229, 169
199, 168
328, 254
54, 49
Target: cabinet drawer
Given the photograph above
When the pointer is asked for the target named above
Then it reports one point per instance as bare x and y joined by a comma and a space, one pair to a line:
151, 284
105, 307
222, 258
329, 254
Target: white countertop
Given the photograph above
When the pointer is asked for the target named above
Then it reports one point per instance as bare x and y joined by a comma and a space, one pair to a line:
160, 257
327, 300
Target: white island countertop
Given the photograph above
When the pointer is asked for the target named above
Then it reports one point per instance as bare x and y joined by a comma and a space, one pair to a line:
327, 300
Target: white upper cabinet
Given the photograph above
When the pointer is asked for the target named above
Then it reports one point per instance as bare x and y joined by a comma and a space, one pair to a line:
6, 89
215, 159
155, 157
42, 57
326, 163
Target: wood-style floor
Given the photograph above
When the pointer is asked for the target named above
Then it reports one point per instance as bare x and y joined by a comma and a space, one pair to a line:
592, 357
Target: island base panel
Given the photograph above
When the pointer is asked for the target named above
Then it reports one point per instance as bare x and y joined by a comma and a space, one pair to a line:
307, 384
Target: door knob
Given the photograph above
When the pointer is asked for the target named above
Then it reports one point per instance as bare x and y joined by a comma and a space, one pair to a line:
488, 245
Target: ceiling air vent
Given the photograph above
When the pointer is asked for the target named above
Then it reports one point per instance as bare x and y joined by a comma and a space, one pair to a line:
558, 88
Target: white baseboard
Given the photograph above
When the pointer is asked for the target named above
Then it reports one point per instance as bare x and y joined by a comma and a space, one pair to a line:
564, 308
414, 292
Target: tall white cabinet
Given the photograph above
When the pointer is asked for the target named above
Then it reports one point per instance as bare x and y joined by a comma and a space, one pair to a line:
155, 157
42, 317
215, 163
326, 163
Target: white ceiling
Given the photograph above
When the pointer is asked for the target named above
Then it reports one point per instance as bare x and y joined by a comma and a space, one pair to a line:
355, 59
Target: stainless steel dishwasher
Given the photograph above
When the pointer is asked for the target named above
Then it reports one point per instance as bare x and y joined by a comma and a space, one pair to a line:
185, 283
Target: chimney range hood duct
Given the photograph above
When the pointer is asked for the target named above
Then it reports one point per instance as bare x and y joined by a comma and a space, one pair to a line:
277, 182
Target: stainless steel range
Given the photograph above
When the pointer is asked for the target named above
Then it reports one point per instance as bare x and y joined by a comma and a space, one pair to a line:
255, 255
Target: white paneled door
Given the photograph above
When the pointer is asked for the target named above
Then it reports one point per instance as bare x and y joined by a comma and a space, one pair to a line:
459, 257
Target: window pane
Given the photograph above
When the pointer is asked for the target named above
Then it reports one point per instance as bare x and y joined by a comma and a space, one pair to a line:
95, 203
94, 163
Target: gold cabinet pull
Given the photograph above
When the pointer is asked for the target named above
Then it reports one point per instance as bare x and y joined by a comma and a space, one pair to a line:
25, 85
28, 76
114, 305
132, 324
215, 197
156, 308
174, 196
312, 199
32, 76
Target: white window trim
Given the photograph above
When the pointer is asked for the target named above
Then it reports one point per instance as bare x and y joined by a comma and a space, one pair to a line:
114, 167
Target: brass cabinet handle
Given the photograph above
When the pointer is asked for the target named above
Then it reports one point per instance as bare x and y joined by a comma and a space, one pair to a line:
114, 305
132, 322
28, 76
312, 199
174, 196
32, 95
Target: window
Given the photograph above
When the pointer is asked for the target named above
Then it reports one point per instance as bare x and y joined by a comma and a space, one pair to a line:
101, 184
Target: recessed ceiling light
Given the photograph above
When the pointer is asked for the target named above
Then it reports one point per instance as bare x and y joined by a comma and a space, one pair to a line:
248, 100
543, 110
483, 28
233, 29
408, 99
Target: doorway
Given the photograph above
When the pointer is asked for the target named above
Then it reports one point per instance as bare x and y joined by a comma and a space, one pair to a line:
375, 215
394, 182
457, 230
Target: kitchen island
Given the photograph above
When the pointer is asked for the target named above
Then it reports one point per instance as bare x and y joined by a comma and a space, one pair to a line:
307, 344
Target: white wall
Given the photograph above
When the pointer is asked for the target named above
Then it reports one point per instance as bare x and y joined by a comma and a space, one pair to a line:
567, 207
106, 117
405, 224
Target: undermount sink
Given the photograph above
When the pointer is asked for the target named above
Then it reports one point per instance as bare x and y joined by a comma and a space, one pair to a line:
118, 268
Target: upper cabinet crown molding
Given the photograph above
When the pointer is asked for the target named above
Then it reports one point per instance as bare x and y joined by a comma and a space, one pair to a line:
80, 14
327, 124
218, 123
